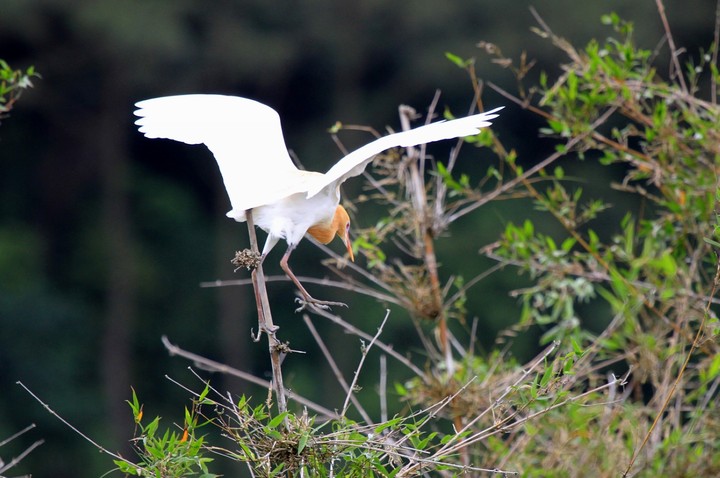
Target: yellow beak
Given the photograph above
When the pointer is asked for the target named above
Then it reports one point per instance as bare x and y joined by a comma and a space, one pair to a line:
348, 245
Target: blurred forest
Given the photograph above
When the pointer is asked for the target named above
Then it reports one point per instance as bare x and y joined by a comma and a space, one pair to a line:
105, 236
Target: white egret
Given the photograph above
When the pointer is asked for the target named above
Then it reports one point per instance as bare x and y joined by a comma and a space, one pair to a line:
247, 141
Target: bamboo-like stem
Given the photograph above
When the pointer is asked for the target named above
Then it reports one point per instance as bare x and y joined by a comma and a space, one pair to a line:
265, 322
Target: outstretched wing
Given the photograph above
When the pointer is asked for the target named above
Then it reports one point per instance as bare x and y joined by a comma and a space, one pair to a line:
354, 163
244, 136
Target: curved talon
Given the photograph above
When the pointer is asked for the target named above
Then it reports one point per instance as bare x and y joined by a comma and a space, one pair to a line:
255, 338
313, 302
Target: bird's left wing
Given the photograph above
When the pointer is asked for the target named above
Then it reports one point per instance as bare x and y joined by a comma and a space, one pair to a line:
244, 136
354, 163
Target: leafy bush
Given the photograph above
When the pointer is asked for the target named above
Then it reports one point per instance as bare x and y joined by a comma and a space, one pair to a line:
12, 85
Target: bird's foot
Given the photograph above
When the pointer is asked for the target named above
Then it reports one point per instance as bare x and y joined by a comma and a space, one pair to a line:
309, 301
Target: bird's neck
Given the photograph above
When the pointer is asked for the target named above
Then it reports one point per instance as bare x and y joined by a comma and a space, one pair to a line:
325, 232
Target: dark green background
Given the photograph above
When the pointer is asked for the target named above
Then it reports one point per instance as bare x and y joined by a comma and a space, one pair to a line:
105, 235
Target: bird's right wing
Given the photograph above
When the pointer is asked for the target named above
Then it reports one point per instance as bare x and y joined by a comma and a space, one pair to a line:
354, 163
244, 136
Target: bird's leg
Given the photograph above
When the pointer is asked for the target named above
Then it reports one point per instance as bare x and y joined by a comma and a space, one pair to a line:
306, 297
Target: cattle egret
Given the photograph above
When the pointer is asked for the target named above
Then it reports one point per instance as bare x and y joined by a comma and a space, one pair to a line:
247, 141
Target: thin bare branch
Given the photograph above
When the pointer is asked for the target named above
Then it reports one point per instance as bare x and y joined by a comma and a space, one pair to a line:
71, 426
335, 369
674, 52
14, 436
211, 365
350, 286
386, 348
16, 460
382, 389
364, 350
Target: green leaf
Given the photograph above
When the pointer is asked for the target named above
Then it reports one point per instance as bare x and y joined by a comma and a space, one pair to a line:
447, 177
272, 424
665, 263
127, 468
712, 242
594, 240
576, 346
714, 368
302, 442
543, 80
392, 423
204, 393
572, 83
549, 372
568, 244
458, 61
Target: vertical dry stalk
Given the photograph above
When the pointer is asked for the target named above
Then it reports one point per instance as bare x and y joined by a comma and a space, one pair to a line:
416, 190
265, 322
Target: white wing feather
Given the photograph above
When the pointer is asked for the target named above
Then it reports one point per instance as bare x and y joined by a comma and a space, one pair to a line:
247, 141
244, 136
355, 163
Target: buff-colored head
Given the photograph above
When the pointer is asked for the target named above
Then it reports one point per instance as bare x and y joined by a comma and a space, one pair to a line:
340, 226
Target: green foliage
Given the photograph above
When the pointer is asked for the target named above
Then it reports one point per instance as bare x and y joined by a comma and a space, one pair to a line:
288, 444
656, 271
13, 83
169, 453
